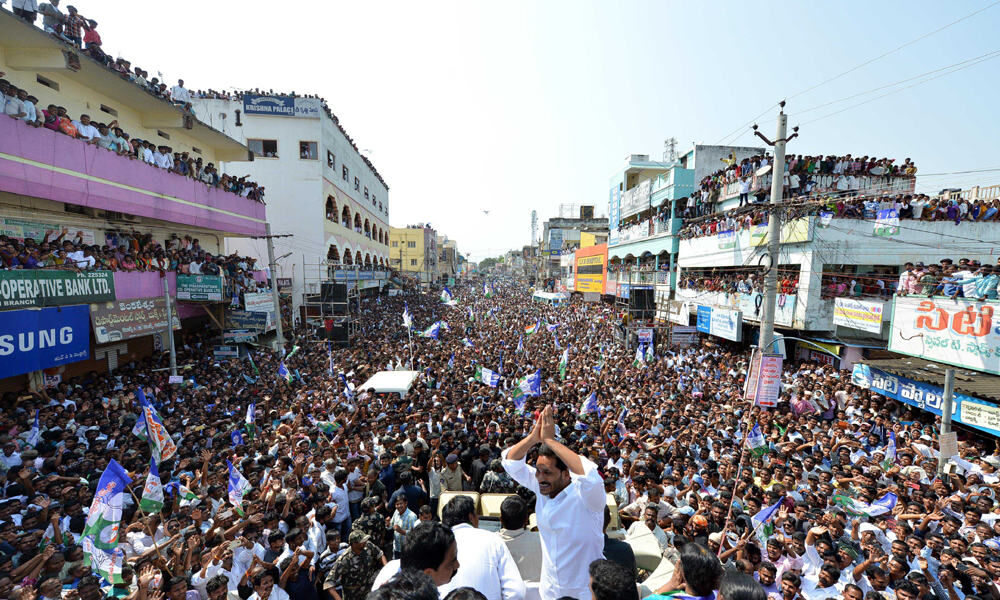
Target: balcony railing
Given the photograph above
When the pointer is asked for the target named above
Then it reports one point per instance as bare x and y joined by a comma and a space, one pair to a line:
39, 162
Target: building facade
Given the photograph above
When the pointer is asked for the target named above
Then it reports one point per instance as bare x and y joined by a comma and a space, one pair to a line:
105, 203
414, 250
320, 188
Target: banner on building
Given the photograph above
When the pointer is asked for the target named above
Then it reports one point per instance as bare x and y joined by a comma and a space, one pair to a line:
33, 230
244, 319
614, 216
727, 240
645, 335
284, 283
226, 352
127, 319
34, 288
203, 288
752, 307
887, 222
636, 199
955, 332
683, 336
965, 409
261, 302
678, 312
281, 106
720, 322
236, 336
31, 340
858, 314
792, 232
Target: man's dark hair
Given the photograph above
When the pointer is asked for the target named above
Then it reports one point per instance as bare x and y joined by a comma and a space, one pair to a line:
405, 478
513, 513
611, 581
219, 581
425, 546
740, 586
458, 511
408, 584
465, 593
702, 569
545, 450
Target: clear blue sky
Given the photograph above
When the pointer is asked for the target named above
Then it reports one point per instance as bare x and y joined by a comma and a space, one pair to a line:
525, 105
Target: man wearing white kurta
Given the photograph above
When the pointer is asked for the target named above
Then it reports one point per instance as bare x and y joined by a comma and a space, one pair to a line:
569, 508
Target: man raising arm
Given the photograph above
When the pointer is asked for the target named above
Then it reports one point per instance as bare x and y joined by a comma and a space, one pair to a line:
569, 505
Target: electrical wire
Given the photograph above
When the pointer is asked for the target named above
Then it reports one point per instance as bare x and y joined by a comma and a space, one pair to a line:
893, 51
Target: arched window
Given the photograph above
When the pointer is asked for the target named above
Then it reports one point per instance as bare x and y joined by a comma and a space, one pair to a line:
357, 257
332, 254
331, 209
368, 229
348, 259
368, 260
357, 222
345, 217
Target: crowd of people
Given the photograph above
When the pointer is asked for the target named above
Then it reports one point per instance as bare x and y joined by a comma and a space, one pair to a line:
835, 493
125, 251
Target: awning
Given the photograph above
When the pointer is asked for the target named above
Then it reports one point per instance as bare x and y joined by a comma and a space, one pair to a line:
973, 383
390, 382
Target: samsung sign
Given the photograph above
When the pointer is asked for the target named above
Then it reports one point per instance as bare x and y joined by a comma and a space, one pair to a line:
281, 106
31, 340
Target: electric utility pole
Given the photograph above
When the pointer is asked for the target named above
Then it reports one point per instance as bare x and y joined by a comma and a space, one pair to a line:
273, 265
774, 227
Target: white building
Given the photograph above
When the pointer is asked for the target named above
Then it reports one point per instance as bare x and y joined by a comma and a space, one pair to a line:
319, 187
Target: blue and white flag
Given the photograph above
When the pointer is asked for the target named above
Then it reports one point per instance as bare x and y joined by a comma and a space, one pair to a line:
446, 295
152, 493
762, 521
348, 388
35, 432
451, 361
856, 507
251, 409
487, 376
237, 438
467, 342
620, 427
552, 326
105, 515
238, 487
890, 453
407, 319
433, 331
590, 405
758, 445
529, 385
555, 338
283, 372
520, 343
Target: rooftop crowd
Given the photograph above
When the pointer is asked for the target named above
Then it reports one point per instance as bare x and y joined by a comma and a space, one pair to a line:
344, 484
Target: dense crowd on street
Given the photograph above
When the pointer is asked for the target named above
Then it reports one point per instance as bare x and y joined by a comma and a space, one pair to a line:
342, 486
126, 251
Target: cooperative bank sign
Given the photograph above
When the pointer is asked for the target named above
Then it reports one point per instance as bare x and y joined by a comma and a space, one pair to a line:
281, 106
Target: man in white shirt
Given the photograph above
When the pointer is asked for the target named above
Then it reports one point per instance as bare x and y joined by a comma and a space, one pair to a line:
486, 563
179, 94
342, 515
569, 503
163, 159
649, 523
85, 129
430, 548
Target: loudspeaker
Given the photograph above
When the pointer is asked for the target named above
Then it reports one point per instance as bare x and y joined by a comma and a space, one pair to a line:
641, 303
333, 292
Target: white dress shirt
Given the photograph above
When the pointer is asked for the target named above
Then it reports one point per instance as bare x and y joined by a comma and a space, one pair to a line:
485, 564
571, 525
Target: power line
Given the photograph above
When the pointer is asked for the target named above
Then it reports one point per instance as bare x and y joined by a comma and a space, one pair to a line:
980, 60
893, 51
974, 60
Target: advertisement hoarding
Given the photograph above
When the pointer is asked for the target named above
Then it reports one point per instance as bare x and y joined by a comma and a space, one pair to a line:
957, 332
752, 307
858, 314
31, 340
590, 266
205, 288
127, 319
37, 288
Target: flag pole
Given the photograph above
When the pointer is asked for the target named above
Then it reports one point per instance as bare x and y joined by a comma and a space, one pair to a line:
736, 482
152, 535
409, 345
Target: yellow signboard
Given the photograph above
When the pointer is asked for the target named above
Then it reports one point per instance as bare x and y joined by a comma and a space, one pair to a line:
590, 274
587, 239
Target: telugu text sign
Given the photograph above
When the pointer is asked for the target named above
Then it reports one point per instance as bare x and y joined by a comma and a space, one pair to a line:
126, 319
957, 332
858, 314
37, 288
31, 340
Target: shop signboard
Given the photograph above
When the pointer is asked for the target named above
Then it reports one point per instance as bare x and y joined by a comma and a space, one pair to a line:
127, 319
32, 288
